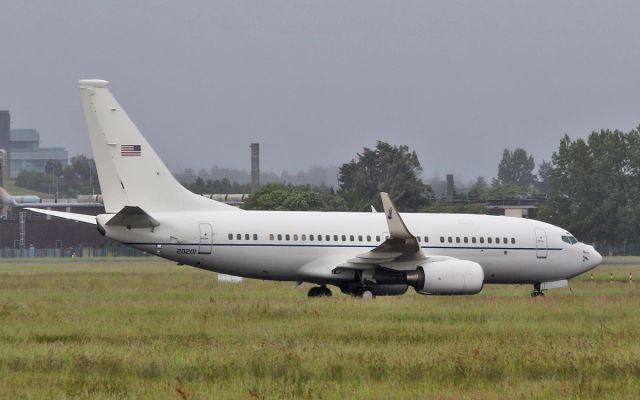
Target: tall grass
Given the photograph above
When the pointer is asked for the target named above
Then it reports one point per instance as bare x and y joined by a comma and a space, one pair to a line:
150, 329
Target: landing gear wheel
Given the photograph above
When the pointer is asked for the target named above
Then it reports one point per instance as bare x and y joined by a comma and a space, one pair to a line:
364, 293
537, 292
319, 291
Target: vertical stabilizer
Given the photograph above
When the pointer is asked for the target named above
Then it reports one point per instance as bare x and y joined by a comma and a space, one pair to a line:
130, 171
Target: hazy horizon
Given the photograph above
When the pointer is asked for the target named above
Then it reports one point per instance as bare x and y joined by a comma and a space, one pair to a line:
315, 82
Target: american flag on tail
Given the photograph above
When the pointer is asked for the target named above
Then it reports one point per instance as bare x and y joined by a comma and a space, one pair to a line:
130, 150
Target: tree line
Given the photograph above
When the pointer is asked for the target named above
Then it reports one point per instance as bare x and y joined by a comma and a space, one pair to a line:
594, 189
65, 181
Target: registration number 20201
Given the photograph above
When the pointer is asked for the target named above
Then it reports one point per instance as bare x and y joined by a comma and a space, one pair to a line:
186, 251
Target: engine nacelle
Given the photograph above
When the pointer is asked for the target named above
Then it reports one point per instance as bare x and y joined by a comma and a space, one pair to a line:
452, 277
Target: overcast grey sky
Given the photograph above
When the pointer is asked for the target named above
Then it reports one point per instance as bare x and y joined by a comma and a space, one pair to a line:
315, 81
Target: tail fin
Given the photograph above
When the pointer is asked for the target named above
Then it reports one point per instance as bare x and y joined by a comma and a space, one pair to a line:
130, 171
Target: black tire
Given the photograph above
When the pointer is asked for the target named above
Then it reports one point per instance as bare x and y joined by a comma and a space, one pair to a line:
319, 291
364, 293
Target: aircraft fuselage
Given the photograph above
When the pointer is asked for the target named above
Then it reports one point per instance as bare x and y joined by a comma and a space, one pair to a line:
278, 245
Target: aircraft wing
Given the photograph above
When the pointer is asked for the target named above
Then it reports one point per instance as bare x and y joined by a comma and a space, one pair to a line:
87, 219
400, 246
399, 251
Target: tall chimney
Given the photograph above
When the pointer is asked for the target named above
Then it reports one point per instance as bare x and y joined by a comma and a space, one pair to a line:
255, 166
450, 187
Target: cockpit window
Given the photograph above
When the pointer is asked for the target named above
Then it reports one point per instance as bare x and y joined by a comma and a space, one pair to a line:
569, 239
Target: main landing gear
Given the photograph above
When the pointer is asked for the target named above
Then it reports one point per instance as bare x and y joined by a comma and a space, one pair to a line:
319, 291
537, 292
364, 293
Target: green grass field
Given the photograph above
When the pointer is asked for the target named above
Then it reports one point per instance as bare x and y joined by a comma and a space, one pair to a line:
150, 329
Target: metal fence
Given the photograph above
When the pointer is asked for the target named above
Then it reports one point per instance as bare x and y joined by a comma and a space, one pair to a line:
71, 252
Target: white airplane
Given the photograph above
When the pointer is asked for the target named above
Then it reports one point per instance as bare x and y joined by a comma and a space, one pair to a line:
363, 253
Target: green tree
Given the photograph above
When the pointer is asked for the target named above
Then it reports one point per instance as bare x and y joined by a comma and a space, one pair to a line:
276, 196
78, 177
544, 172
385, 168
516, 169
592, 188
33, 180
84, 167
479, 188
53, 167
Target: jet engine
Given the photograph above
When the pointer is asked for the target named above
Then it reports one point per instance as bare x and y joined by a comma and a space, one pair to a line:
447, 277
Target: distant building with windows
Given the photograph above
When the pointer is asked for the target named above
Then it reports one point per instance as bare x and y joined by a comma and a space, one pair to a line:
23, 148
25, 153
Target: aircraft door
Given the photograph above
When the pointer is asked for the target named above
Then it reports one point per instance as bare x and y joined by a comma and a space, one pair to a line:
206, 239
541, 243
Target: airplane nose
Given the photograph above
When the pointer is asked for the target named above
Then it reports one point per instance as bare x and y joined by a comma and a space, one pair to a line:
590, 257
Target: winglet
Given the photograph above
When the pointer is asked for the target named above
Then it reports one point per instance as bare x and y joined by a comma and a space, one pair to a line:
397, 228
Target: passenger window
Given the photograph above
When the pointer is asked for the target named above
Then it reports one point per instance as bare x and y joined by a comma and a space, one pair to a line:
513, 240
295, 237
473, 239
426, 239
450, 239
287, 236
271, 236
505, 241
335, 238
311, 238
368, 238
255, 236
231, 236
441, 239
359, 238
497, 240
489, 240
239, 236
344, 238
466, 239
418, 239
457, 239
351, 238
246, 236
481, 239
303, 237
377, 238
279, 236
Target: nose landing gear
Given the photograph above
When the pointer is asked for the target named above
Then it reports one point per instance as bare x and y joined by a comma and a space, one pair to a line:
537, 292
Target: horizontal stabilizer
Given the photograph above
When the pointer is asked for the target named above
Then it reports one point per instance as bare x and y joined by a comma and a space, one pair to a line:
133, 217
88, 219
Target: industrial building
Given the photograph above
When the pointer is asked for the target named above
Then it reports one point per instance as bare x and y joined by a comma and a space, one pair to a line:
23, 149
